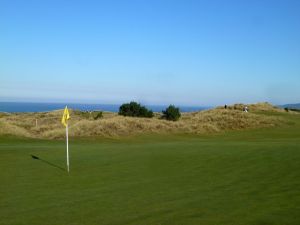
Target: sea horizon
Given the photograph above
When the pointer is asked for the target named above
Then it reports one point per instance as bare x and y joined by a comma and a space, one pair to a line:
27, 107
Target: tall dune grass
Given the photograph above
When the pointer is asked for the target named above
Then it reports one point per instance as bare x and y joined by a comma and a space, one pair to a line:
47, 124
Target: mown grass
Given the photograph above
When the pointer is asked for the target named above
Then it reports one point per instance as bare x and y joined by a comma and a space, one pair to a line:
238, 177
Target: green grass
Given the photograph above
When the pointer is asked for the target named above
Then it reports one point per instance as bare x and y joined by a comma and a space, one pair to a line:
245, 177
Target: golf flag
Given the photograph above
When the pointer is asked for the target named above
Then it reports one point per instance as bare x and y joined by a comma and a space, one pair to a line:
65, 117
64, 121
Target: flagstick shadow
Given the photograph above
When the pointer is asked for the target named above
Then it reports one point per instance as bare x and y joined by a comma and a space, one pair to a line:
46, 162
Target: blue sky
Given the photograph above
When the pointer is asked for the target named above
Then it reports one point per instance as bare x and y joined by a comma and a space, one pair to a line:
155, 52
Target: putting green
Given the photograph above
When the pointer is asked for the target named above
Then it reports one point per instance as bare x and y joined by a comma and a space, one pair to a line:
246, 177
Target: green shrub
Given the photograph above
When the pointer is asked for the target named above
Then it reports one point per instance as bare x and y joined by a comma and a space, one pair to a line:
97, 115
295, 110
171, 113
89, 114
134, 109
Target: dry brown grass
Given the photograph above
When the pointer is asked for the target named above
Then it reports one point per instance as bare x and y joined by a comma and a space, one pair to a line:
261, 106
113, 125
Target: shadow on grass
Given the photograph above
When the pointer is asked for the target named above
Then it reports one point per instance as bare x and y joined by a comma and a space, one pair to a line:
46, 162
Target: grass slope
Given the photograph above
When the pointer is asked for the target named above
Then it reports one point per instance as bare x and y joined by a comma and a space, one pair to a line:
47, 125
240, 177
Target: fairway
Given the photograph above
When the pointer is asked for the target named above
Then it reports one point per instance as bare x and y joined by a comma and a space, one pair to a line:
241, 177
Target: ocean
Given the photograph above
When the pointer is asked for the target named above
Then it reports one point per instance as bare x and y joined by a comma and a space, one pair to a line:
11, 107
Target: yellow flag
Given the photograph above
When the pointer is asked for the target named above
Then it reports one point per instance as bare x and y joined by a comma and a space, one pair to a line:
65, 117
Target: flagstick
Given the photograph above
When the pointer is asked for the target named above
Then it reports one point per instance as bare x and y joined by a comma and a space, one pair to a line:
67, 135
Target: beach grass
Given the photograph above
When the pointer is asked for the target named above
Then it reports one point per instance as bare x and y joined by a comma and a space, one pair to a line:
47, 125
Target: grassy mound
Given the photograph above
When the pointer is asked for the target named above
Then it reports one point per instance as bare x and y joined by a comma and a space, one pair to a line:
47, 124
261, 106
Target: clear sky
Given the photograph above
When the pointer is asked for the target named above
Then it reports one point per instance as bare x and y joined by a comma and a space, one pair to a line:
208, 52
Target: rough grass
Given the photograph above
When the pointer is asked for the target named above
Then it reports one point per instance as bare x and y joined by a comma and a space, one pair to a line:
112, 125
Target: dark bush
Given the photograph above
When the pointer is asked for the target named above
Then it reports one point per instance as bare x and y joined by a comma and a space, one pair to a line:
171, 113
97, 114
134, 109
295, 110
89, 114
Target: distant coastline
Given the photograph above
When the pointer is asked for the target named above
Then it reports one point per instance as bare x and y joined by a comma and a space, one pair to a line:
13, 107
291, 106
